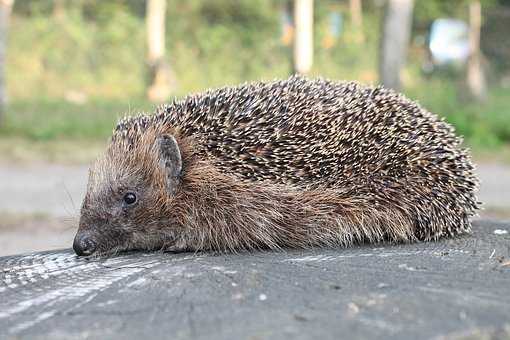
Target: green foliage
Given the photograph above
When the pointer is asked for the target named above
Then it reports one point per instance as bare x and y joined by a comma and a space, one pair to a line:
482, 124
98, 47
224, 42
48, 119
95, 50
426, 11
55, 56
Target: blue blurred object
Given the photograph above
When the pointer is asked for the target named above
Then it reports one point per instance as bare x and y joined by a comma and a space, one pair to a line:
449, 41
335, 24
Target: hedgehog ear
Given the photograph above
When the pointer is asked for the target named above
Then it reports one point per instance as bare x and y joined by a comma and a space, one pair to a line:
171, 160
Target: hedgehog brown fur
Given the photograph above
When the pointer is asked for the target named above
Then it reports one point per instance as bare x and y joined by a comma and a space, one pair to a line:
292, 163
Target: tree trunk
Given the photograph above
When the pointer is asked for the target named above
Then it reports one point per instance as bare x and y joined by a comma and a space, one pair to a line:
357, 20
475, 76
59, 9
394, 41
5, 12
160, 75
303, 37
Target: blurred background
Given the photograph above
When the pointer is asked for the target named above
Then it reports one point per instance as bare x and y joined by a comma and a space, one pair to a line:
70, 68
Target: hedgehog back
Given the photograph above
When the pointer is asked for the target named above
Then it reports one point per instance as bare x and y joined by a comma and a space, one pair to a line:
303, 132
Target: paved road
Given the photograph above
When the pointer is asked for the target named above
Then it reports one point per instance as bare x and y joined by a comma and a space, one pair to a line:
58, 190
51, 189
453, 289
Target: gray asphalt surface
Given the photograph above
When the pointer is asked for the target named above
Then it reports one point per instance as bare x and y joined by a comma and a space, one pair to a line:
452, 289
51, 189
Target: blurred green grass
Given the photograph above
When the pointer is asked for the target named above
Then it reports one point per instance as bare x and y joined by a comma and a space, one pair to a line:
484, 125
51, 119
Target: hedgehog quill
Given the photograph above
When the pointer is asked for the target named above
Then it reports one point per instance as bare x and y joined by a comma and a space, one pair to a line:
296, 163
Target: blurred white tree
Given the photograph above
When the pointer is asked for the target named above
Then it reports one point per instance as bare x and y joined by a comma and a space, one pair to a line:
303, 37
394, 41
357, 19
475, 77
59, 9
160, 74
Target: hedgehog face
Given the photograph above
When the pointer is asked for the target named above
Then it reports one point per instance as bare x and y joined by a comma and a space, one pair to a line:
126, 205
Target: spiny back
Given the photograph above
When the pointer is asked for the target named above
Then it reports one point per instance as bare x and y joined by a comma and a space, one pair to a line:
311, 131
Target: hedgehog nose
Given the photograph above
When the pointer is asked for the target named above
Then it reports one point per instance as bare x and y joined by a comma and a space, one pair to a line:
84, 245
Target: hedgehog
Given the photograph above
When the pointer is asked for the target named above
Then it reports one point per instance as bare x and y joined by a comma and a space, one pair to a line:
294, 163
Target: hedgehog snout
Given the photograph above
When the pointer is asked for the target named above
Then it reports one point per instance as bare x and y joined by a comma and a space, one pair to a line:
84, 244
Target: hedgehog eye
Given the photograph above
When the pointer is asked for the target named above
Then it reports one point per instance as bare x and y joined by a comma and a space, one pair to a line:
130, 198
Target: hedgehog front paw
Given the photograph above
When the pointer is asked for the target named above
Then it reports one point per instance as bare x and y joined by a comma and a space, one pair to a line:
177, 247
